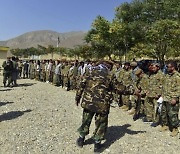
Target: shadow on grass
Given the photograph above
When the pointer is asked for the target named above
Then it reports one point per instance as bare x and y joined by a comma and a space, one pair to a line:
114, 133
5, 103
25, 84
12, 115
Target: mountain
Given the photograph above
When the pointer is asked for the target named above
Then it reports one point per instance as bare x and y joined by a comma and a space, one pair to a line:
45, 38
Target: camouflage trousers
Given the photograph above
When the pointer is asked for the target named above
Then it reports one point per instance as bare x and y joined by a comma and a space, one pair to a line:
32, 75
101, 123
117, 99
150, 105
7, 77
43, 76
133, 101
56, 79
73, 83
169, 114
126, 100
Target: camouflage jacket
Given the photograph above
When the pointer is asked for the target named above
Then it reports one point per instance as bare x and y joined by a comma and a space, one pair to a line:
65, 70
171, 86
142, 85
96, 90
125, 78
8, 66
154, 84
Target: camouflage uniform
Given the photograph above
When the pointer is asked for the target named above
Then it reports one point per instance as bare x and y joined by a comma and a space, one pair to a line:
14, 72
171, 89
43, 72
31, 70
141, 85
116, 96
125, 78
153, 92
96, 88
7, 72
64, 75
73, 74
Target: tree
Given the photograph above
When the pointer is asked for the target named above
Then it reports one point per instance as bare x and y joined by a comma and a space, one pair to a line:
99, 38
50, 49
163, 37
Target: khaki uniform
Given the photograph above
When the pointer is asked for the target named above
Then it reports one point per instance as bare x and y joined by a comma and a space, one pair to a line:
153, 92
96, 92
171, 89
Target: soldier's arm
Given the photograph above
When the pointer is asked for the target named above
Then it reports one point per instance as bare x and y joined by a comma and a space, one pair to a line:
176, 93
79, 91
4, 64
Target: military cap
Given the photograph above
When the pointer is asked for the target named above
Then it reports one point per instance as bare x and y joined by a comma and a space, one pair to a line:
133, 63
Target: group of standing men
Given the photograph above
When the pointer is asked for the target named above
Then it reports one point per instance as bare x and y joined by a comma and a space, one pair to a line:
152, 95
10, 72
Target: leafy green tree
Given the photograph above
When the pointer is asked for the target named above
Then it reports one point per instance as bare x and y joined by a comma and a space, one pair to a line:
163, 38
99, 38
50, 49
41, 50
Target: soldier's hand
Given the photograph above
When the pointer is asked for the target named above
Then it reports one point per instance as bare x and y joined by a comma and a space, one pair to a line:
137, 92
173, 101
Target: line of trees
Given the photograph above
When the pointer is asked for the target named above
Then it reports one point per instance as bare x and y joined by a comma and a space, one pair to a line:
140, 28
80, 51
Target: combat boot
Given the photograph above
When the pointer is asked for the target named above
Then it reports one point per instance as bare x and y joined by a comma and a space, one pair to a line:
122, 107
80, 141
126, 108
174, 132
131, 112
163, 128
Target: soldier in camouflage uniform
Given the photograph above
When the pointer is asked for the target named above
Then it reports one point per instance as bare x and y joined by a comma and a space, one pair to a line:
64, 75
153, 92
43, 71
171, 95
7, 72
140, 92
96, 88
115, 73
124, 77
31, 69
73, 75
133, 98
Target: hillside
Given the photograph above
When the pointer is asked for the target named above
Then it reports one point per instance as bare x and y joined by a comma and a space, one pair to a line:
45, 38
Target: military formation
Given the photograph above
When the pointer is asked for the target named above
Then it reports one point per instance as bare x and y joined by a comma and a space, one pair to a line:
150, 94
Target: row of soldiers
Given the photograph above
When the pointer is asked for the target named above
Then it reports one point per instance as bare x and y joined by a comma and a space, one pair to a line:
152, 94
146, 94
59, 73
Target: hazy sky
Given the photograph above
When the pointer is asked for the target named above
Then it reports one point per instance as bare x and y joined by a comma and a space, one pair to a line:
20, 16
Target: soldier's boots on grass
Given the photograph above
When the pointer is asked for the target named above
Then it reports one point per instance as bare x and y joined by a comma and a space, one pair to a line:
174, 132
122, 107
126, 108
163, 128
80, 141
132, 111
